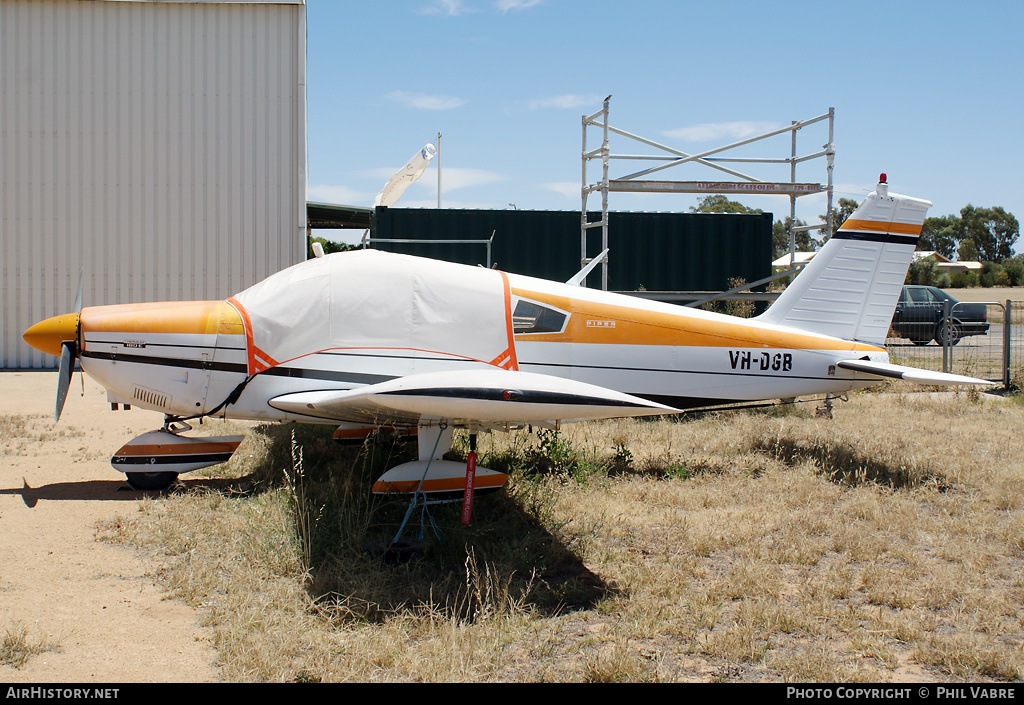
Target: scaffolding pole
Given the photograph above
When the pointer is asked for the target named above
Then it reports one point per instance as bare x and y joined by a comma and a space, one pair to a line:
673, 157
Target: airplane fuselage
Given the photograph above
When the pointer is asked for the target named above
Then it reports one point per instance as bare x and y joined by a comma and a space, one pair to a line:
403, 316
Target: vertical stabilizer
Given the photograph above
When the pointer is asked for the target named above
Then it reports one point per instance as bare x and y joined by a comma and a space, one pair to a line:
850, 289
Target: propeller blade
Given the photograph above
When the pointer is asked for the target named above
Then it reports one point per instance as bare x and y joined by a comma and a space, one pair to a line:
67, 368
78, 296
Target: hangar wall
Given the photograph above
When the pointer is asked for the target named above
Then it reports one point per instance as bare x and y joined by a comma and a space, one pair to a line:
160, 147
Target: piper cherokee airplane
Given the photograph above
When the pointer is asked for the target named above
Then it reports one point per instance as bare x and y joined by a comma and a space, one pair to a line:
368, 338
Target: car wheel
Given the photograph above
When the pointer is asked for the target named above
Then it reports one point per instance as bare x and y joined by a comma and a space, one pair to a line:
955, 333
150, 481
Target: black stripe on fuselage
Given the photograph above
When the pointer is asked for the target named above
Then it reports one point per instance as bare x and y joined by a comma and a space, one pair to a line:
167, 361
330, 375
239, 368
516, 396
861, 236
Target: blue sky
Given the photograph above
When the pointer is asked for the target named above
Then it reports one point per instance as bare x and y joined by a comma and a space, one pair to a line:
928, 92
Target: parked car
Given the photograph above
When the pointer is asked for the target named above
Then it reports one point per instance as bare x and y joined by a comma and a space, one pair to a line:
919, 316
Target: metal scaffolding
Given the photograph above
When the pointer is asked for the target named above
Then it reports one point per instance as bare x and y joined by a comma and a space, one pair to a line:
673, 157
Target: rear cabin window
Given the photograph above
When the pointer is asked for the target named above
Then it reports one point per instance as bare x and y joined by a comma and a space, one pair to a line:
921, 296
530, 317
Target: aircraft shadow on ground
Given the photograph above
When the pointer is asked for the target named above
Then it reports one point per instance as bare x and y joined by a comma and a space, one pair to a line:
83, 490
505, 559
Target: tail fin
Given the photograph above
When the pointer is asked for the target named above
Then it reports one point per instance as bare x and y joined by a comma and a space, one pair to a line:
849, 290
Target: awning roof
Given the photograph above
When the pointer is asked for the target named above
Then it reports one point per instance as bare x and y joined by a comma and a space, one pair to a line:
331, 216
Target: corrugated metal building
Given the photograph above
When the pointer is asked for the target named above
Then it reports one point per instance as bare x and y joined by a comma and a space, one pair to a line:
160, 147
653, 251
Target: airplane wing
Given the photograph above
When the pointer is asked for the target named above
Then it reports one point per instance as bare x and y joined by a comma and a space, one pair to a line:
485, 396
910, 374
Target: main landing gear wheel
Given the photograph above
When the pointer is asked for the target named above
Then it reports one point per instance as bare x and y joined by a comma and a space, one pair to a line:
149, 481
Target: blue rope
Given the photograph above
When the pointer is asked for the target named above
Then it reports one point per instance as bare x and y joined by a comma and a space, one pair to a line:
415, 498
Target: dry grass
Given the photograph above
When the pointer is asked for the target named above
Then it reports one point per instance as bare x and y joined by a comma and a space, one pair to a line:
20, 433
737, 546
17, 646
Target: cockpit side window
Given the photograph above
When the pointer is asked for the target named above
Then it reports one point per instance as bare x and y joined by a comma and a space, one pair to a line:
531, 317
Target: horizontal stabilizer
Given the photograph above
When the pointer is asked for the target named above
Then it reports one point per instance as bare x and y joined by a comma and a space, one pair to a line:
909, 374
485, 396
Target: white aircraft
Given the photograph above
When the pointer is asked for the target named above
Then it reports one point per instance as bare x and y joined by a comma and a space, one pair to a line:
367, 338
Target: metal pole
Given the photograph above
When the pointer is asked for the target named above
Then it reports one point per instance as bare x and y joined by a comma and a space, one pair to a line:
830, 156
583, 196
438, 169
792, 201
947, 307
604, 198
1007, 316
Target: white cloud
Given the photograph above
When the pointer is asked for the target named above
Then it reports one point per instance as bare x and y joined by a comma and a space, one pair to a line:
566, 188
423, 101
325, 193
564, 102
732, 131
448, 8
504, 6
454, 178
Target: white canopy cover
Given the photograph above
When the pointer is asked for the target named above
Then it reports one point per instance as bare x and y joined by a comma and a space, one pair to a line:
373, 300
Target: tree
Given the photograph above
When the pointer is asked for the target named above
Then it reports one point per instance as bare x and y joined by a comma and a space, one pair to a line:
992, 230
328, 245
839, 215
780, 238
924, 271
967, 251
940, 234
720, 204
985, 234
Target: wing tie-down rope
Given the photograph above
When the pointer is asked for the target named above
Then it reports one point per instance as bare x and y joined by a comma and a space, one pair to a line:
425, 512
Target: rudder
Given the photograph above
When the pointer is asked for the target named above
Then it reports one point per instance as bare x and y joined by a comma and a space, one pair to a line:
850, 289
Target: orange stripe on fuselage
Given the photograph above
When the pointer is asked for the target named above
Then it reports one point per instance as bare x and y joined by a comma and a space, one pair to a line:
593, 322
190, 317
512, 362
877, 226
252, 367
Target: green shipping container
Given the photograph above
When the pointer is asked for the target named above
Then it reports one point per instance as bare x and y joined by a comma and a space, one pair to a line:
652, 251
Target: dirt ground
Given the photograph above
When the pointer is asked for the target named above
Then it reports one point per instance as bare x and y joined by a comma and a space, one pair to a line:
997, 294
102, 609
